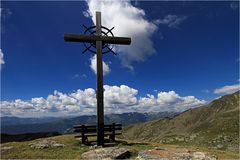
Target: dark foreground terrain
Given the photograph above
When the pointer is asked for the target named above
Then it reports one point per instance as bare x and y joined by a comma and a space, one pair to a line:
26, 137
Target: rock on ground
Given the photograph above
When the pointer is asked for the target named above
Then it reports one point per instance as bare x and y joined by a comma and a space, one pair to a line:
174, 154
6, 148
108, 153
45, 144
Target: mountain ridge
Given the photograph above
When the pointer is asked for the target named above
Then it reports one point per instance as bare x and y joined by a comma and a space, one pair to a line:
215, 125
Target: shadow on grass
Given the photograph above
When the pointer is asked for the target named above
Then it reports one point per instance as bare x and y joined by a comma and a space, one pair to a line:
26, 137
130, 143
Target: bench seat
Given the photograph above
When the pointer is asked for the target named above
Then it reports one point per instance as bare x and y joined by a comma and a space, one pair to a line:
85, 131
95, 134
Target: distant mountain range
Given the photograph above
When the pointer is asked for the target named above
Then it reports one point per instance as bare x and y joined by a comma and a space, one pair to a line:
16, 125
5, 121
214, 125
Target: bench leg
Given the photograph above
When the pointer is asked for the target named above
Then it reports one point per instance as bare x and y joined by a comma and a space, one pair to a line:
112, 137
84, 139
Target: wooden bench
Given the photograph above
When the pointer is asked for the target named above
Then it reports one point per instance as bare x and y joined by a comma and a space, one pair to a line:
91, 131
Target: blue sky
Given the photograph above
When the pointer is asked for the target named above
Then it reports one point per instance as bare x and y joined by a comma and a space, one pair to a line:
193, 49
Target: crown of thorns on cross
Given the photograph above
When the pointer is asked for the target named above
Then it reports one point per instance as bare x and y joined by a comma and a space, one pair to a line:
106, 48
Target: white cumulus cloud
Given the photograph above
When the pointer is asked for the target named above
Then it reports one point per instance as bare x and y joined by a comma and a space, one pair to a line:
168, 101
228, 89
129, 21
117, 99
18, 108
123, 94
93, 65
148, 101
168, 98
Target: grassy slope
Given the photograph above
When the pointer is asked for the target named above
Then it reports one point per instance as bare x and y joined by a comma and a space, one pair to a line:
74, 149
216, 124
21, 150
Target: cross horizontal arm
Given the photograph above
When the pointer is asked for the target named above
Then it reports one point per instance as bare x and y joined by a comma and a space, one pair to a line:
94, 38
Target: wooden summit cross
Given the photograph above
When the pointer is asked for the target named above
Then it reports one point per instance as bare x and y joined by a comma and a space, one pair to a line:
99, 40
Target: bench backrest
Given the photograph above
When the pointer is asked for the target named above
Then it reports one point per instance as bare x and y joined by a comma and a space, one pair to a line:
93, 128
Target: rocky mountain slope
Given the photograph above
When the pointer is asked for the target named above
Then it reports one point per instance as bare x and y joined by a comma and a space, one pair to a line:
214, 125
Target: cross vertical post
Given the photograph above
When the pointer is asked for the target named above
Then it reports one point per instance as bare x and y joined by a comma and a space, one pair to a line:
100, 110
99, 40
